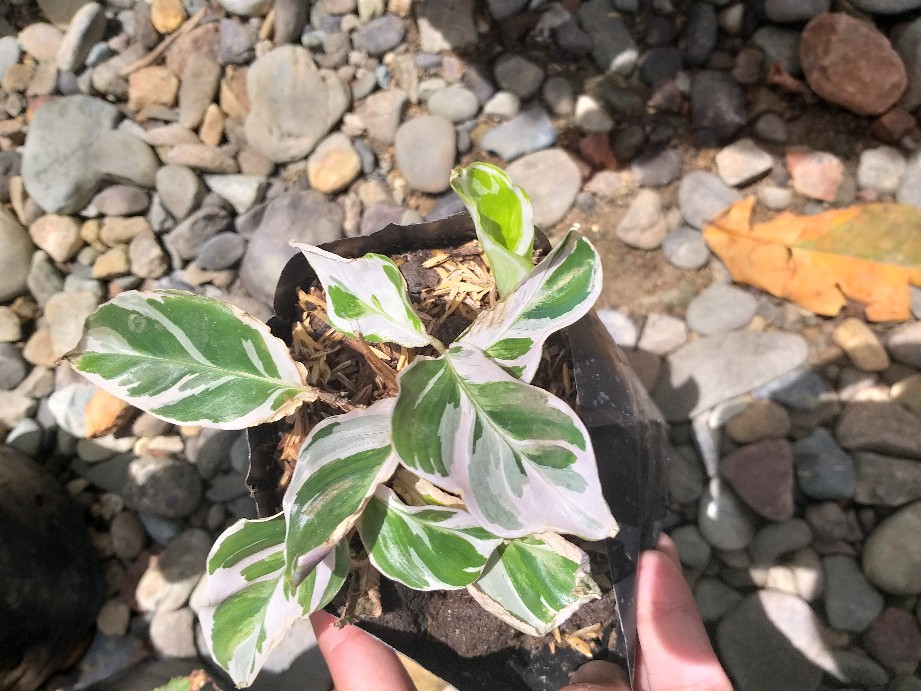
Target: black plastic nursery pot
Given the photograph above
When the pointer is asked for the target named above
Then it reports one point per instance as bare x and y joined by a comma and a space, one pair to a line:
447, 632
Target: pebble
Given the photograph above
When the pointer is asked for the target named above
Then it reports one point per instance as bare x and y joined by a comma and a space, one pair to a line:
703, 196
12, 367
66, 313
170, 579
907, 393
180, 190
518, 75
885, 481
591, 116
717, 106
869, 87
86, 28
121, 200
185, 241
717, 368
503, 104
10, 53
895, 640
293, 104
446, 26
620, 326
293, 216
775, 541
685, 248
114, 617
720, 308
762, 475
784, 11
162, 486
892, 554
742, 163
167, 15
425, 152
54, 166
243, 192
861, 345
552, 180
714, 599
775, 198
613, 49
208, 159
880, 426
780, 44
759, 421
851, 603
693, 549
881, 169
122, 157
380, 35
643, 226
656, 169
527, 132
768, 626
57, 235
199, 86
128, 536
381, 113
172, 633
662, 334
659, 64
722, 519
815, 174
700, 34
557, 94
904, 344
771, 128
456, 103
247, 7
222, 251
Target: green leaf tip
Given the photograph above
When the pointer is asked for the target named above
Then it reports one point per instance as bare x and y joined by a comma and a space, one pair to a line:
503, 217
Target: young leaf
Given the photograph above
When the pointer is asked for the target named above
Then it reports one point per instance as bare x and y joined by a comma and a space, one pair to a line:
252, 606
338, 468
189, 359
535, 583
424, 547
559, 290
367, 296
520, 457
504, 220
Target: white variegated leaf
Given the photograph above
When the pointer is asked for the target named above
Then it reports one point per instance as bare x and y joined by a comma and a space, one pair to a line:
424, 547
503, 217
535, 583
189, 359
367, 296
558, 292
520, 457
339, 466
252, 606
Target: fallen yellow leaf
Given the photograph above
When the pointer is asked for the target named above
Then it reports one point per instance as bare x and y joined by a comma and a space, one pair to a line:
868, 253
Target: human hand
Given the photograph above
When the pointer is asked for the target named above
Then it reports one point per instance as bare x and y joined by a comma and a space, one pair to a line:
357, 661
674, 651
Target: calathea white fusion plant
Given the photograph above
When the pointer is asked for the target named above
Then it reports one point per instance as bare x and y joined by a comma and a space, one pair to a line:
505, 468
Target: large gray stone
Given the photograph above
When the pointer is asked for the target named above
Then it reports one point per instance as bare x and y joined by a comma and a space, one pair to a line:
892, 553
529, 131
293, 103
714, 369
425, 151
15, 258
880, 426
57, 164
552, 180
614, 48
851, 603
293, 216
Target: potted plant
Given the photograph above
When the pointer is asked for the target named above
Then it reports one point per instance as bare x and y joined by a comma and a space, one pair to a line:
449, 474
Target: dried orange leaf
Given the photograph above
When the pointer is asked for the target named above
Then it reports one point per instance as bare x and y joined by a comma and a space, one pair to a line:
868, 253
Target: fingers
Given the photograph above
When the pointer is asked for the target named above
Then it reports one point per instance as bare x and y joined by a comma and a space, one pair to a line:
598, 675
357, 661
675, 652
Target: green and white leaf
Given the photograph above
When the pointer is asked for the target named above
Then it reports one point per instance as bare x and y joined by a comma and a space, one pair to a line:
504, 220
520, 457
424, 547
338, 468
252, 606
558, 292
367, 296
189, 359
535, 583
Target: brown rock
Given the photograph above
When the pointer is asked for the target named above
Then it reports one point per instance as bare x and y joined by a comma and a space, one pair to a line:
152, 86
58, 235
762, 419
762, 475
890, 127
848, 62
167, 15
208, 159
861, 345
39, 349
334, 164
816, 174
112, 264
205, 39
212, 126
105, 414
120, 230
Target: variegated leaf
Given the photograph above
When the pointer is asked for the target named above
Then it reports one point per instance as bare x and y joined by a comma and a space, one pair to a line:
189, 359
520, 457
424, 547
535, 583
559, 290
504, 220
338, 468
252, 605
367, 296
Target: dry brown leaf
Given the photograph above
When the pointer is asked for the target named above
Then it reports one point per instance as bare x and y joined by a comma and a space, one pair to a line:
868, 253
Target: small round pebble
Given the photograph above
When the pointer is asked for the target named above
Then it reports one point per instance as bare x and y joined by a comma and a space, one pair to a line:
685, 248
720, 308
